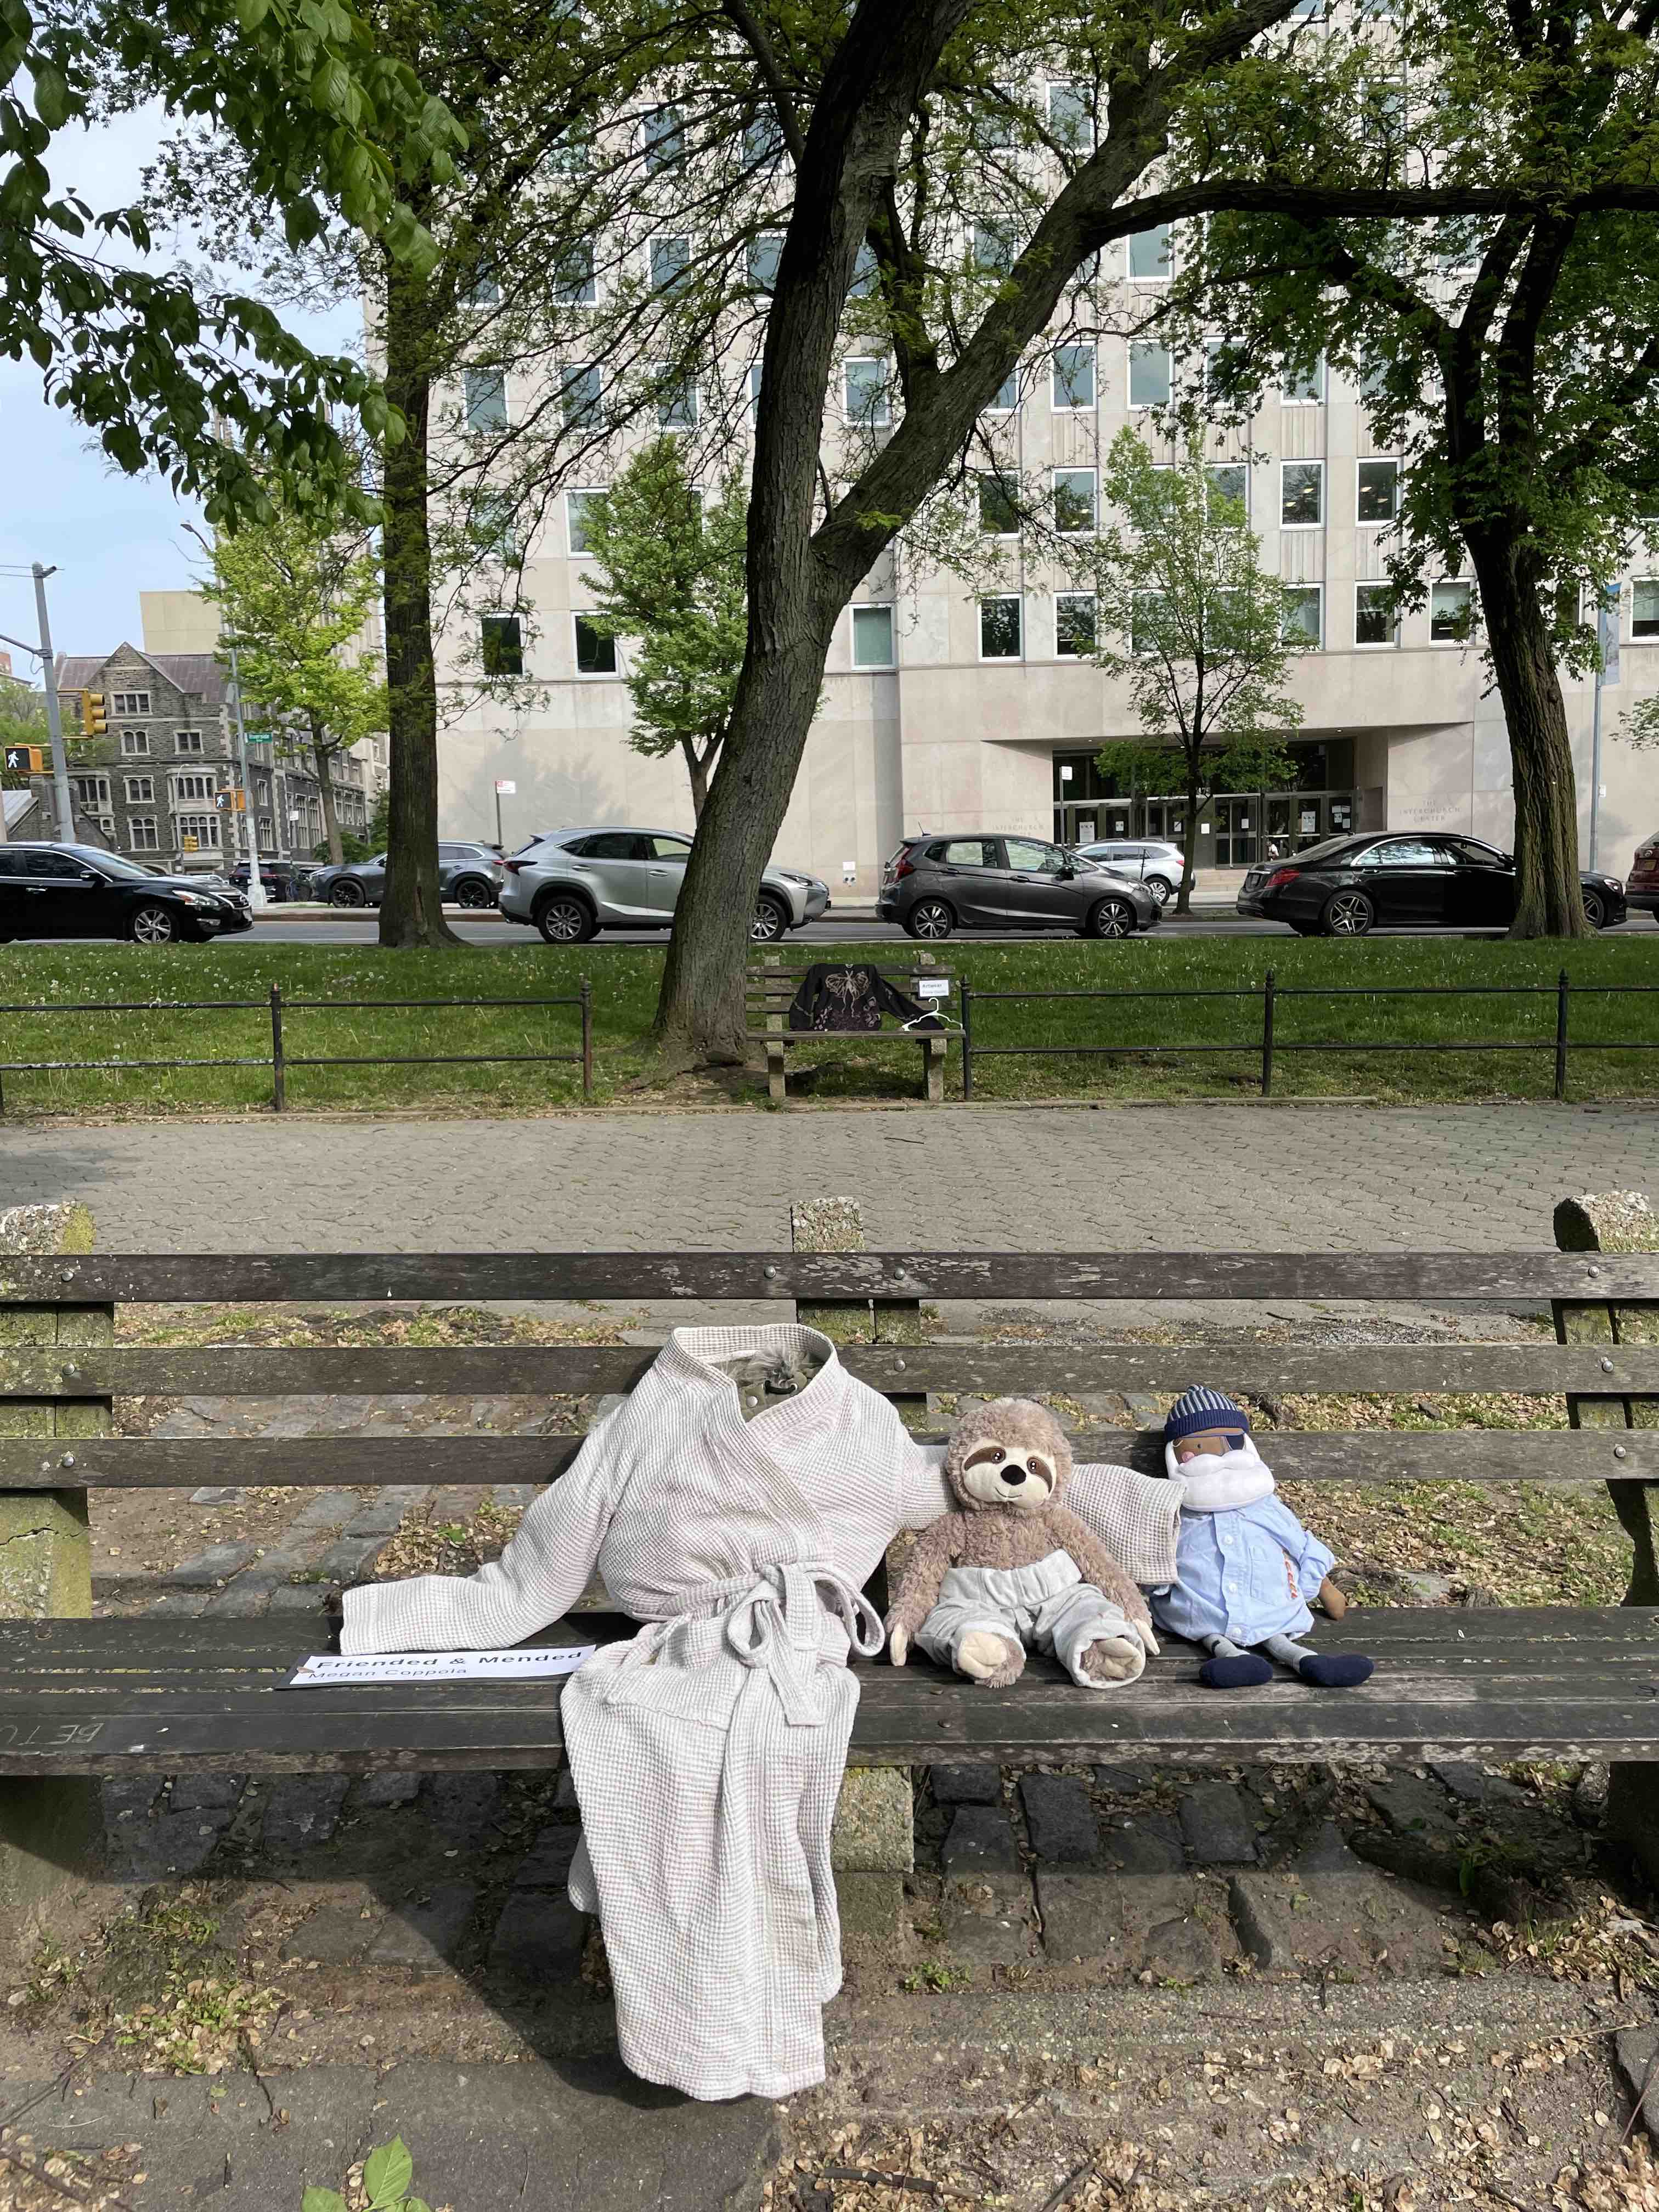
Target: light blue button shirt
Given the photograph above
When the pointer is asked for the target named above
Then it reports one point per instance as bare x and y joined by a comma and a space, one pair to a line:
1231, 1575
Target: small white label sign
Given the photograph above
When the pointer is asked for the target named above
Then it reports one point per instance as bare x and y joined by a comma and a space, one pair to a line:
506, 790
326, 1670
932, 987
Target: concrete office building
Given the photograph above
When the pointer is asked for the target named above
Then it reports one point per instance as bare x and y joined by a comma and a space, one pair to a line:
947, 710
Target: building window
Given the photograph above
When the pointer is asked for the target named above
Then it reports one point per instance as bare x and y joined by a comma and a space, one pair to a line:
1375, 621
865, 386
198, 832
1149, 375
1074, 502
763, 140
484, 291
129, 702
1301, 494
996, 244
1449, 613
188, 741
134, 742
873, 637
581, 396
1007, 398
999, 629
764, 254
1149, 254
574, 281
1074, 376
141, 833
755, 371
1645, 607
1378, 491
576, 506
991, 124
1075, 625
670, 264
1071, 117
677, 402
1144, 613
596, 650
664, 139
1304, 388
1227, 494
496, 523
92, 791
1305, 614
486, 399
502, 639
141, 790
998, 514
866, 273
192, 789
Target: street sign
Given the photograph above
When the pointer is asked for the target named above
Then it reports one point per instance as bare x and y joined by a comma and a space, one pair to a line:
506, 790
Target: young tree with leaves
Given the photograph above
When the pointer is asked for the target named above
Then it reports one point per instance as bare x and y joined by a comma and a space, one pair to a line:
669, 574
296, 593
1199, 632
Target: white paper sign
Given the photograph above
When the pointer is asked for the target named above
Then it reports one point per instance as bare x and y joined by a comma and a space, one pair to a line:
331, 1670
505, 789
932, 987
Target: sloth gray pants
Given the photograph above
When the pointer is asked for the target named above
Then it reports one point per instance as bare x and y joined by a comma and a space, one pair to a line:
1048, 1607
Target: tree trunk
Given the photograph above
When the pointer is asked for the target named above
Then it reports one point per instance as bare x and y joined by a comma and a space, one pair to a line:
411, 911
1189, 850
1549, 898
700, 1012
322, 756
696, 767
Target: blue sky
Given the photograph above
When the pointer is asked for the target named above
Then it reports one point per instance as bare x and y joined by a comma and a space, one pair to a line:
110, 536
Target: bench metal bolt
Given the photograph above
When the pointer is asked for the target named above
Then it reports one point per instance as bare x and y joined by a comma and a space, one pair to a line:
67, 1460
770, 1273
1618, 1452
1606, 1367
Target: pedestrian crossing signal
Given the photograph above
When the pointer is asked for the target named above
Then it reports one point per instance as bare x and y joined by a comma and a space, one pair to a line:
229, 802
27, 759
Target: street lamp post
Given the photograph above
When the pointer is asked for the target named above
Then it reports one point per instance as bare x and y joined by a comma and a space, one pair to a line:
256, 890
54, 719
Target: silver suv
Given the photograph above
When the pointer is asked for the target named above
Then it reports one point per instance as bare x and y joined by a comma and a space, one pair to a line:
1149, 860
571, 884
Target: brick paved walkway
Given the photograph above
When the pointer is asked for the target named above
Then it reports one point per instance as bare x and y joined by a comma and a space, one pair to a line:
1228, 1176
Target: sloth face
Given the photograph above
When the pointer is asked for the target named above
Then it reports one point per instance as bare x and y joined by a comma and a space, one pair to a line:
1019, 1479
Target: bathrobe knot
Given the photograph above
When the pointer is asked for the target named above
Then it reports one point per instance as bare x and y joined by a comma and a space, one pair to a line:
778, 1624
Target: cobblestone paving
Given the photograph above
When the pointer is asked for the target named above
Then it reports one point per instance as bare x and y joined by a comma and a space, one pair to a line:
1239, 1178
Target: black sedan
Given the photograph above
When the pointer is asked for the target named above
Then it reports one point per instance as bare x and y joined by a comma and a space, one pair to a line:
78, 890
1349, 885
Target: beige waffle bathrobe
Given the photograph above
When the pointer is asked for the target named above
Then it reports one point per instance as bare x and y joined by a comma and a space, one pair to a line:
708, 1752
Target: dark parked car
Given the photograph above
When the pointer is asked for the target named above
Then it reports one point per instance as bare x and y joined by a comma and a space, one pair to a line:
281, 879
468, 875
1351, 884
78, 890
933, 884
1642, 892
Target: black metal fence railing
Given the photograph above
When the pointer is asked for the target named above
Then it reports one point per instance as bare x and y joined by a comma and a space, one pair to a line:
1268, 1045
280, 1059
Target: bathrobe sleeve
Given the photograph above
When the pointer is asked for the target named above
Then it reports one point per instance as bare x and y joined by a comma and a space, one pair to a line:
1136, 1517
538, 1578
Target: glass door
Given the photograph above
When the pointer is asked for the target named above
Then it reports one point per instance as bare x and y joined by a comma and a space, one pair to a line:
1237, 831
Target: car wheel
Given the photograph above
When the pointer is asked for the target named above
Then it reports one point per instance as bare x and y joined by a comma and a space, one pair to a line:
474, 892
1112, 917
347, 892
1347, 914
1596, 912
1161, 891
152, 925
770, 921
930, 920
564, 919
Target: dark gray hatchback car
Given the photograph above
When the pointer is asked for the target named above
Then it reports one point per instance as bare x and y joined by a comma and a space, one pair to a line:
933, 884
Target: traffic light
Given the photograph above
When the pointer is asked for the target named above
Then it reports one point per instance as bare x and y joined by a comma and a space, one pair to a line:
94, 720
27, 759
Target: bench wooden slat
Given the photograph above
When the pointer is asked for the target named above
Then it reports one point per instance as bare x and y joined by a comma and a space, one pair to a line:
225, 1278
581, 1370
1333, 1456
1425, 1701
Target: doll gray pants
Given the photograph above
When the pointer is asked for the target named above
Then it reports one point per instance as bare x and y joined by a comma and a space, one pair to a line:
1048, 1607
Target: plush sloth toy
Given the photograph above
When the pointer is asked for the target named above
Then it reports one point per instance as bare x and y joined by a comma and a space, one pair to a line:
1013, 1567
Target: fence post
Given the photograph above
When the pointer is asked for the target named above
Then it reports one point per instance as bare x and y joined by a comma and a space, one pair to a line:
587, 1038
967, 1038
1267, 990
278, 1068
1561, 1035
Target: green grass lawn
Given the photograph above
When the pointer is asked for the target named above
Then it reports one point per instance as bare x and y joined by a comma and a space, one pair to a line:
624, 983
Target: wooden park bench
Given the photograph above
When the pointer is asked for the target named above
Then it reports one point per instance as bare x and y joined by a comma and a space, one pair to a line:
769, 991
85, 1697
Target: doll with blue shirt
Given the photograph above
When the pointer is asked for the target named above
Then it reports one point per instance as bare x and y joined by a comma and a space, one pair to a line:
1245, 1566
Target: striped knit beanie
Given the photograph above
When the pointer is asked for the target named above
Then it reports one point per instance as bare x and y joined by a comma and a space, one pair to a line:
1201, 1409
